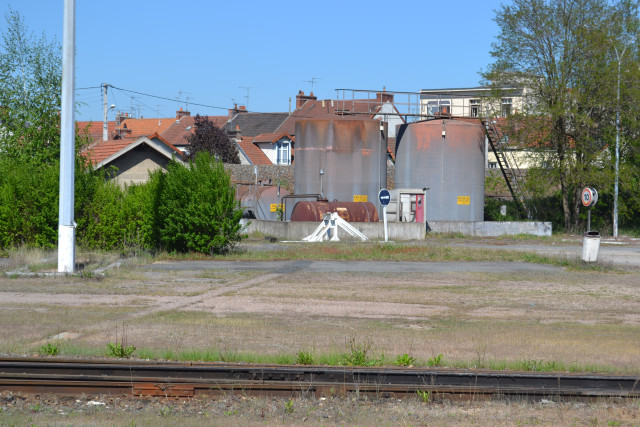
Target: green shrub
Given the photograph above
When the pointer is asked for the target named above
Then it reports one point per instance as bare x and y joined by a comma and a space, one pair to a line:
196, 208
28, 204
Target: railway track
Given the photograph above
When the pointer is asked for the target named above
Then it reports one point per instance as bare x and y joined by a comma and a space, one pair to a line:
187, 379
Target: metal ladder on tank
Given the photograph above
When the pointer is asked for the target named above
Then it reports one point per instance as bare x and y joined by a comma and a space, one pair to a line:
508, 165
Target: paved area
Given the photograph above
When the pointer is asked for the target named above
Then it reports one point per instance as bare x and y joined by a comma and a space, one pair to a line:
287, 267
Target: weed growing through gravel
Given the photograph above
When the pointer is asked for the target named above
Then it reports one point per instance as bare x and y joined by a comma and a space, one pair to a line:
435, 361
359, 354
121, 349
424, 395
405, 360
288, 406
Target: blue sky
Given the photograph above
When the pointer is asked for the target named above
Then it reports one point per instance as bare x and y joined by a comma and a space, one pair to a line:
210, 50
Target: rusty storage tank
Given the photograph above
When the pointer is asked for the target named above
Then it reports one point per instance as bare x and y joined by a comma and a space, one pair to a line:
267, 201
342, 159
349, 211
447, 157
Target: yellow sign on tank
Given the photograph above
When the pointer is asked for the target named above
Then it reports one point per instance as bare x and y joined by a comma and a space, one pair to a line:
360, 198
464, 200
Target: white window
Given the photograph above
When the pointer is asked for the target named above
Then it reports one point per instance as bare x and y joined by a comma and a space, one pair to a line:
475, 107
435, 108
283, 152
506, 107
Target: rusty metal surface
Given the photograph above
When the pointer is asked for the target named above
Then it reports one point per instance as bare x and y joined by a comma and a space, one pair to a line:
450, 167
176, 380
349, 211
352, 154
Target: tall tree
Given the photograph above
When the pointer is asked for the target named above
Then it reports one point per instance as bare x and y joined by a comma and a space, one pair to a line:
563, 50
30, 91
210, 138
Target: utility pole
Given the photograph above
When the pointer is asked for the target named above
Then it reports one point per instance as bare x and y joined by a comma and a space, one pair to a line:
105, 109
66, 224
619, 56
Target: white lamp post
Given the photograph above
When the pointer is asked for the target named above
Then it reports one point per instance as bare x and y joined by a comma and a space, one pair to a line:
619, 56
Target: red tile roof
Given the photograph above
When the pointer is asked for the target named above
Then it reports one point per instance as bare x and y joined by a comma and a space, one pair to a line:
145, 127
271, 137
179, 129
94, 129
103, 150
253, 153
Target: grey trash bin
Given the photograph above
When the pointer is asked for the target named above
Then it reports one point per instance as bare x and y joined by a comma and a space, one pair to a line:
590, 246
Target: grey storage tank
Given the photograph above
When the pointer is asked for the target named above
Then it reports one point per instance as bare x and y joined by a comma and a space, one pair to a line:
343, 159
447, 157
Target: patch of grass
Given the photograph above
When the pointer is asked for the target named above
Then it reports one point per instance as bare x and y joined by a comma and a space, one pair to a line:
410, 252
304, 358
49, 350
166, 411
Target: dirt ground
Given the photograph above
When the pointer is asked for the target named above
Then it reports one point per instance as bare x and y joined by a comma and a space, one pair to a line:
482, 314
237, 410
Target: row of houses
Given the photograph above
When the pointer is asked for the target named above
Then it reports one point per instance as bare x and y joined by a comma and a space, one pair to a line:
137, 145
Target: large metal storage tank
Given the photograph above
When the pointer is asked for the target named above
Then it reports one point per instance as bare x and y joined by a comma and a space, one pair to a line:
352, 154
446, 156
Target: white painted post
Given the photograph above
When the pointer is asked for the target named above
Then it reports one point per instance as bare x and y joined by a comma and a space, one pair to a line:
66, 225
386, 230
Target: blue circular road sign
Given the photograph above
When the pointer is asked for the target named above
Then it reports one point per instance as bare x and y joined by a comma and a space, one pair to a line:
384, 197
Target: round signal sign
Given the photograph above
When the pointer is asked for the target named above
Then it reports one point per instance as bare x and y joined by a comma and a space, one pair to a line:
589, 197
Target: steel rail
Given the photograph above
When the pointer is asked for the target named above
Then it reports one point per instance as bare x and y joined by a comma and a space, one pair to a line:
185, 379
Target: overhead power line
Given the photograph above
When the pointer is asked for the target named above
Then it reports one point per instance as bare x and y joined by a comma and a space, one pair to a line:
167, 99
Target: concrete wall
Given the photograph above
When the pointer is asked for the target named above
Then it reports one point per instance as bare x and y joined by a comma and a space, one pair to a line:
297, 230
401, 231
491, 228
243, 174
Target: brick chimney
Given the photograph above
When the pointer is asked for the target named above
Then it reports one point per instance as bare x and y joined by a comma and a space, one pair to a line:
236, 110
120, 117
180, 114
235, 134
301, 98
383, 97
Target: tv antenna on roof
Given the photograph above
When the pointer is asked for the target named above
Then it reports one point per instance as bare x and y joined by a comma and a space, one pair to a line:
158, 113
180, 93
248, 88
313, 81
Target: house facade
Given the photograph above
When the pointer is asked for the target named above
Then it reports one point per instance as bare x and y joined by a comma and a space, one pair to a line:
132, 159
481, 101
